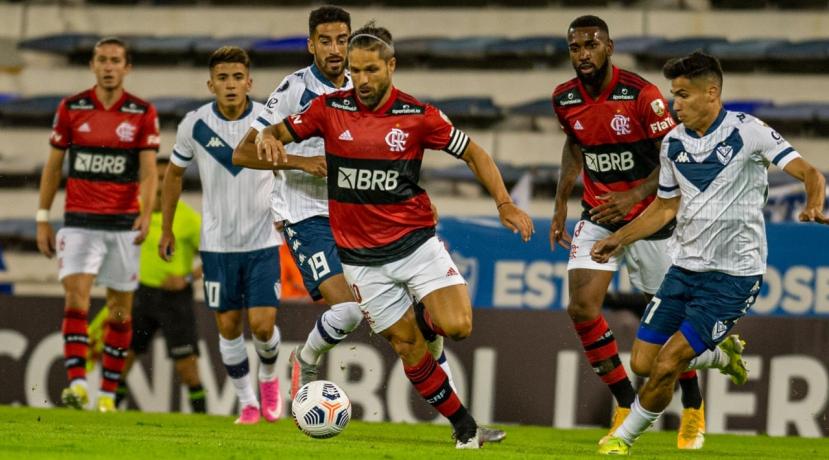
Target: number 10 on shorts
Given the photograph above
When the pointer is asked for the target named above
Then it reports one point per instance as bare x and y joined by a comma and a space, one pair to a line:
212, 291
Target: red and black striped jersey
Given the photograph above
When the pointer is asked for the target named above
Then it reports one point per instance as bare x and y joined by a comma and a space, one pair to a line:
617, 132
103, 145
378, 212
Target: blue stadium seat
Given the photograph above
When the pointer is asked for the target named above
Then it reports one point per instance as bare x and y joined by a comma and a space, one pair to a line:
538, 108
30, 111
636, 44
203, 48
744, 55
172, 109
748, 106
164, 50
462, 52
805, 56
797, 118
416, 50
657, 54
5, 97
77, 47
822, 120
479, 112
291, 51
548, 50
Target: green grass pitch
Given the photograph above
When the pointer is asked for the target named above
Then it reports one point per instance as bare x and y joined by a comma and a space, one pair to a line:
27, 433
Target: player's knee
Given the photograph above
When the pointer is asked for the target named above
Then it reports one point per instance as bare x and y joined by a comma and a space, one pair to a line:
406, 348
119, 314
664, 371
460, 328
262, 331
581, 311
640, 366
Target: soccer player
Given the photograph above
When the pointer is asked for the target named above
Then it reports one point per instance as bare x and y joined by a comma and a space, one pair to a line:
713, 180
112, 139
375, 136
239, 247
164, 299
614, 121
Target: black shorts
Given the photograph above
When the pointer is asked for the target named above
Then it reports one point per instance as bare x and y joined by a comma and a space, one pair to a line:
172, 312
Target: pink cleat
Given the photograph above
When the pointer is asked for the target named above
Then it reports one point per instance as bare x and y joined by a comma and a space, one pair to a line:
249, 416
271, 399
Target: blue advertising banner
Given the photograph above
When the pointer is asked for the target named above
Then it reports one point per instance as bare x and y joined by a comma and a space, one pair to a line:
505, 273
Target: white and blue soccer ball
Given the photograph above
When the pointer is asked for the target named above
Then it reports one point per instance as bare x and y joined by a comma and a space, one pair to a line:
321, 409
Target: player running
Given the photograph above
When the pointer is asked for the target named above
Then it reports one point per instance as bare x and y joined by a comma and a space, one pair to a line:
239, 247
382, 221
112, 139
713, 180
614, 121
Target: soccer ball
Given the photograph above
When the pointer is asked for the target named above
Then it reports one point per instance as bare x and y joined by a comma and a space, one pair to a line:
321, 409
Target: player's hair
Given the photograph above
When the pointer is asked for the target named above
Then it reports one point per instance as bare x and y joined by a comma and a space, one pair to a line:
695, 65
113, 41
589, 21
327, 14
372, 37
228, 54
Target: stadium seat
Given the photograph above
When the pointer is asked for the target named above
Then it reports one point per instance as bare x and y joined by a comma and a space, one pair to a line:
289, 51
635, 44
748, 106
172, 109
203, 48
74, 46
744, 55
797, 118
5, 97
415, 51
478, 112
542, 107
805, 56
822, 120
657, 54
164, 50
525, 52
462, 52
29, 111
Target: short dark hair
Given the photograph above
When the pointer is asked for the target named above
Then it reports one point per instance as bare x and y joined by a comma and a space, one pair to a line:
695, 65
228, 54
373, 38
327, 14
589, 21
112, 40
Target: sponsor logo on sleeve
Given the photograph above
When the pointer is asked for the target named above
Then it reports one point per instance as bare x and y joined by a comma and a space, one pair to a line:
658, 107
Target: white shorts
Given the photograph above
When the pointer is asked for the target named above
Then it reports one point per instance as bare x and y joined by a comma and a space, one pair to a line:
110, 255
385, 292
647, 261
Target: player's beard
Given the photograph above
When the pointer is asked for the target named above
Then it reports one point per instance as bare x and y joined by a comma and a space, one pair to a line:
374, 97
596, 79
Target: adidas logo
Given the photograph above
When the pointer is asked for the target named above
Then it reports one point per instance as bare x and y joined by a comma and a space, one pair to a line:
682, 158
452, 272
215, 142
578, 126
346, 136
84, 128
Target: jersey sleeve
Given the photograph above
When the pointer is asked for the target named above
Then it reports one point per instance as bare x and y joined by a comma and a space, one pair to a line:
61, 136
440, 134
654, 115
668, 185
184, 150
562, 121
283, 101
308, 123
149, 138
771, 144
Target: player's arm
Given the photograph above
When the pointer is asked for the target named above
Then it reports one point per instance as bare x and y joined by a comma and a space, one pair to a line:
815, 184
654, 217
170, 194
488, 175
49, 182
259, 150
571, 164
148, 183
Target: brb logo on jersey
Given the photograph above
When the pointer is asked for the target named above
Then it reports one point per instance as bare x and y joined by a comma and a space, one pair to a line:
620, 124
604, 162
396, 139
125, 132
367, 179
100, 164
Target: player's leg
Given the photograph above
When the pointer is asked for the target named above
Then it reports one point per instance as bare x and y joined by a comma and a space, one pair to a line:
588, 282
146, 319
261, 287
80, 253
179, 328
647, 262
188, 371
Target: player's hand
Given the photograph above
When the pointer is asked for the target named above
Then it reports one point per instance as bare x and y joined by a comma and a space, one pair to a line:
558, 230
167, 246
46, 239
516, 220
142, 226
615, 206
315, 166
435, 215
174, 283
605, 249
814, 214
270, 149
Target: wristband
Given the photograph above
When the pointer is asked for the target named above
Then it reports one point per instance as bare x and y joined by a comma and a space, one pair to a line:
498, 208
42, 215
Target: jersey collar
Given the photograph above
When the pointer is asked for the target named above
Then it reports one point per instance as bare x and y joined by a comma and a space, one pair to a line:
116, 106
324, 80
248, 110
606, 93
716, 124
380, 109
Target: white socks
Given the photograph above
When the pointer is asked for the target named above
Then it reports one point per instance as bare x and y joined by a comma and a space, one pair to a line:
639, 420
444, 364
331, 328
710, 358
235, 359
268, 352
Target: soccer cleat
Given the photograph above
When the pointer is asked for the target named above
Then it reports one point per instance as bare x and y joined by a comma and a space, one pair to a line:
691, 435
301, 372
471, 440
106, 404
491, 434
613, 446
271, 399
75, 396
619, 416
733, 346
248, 416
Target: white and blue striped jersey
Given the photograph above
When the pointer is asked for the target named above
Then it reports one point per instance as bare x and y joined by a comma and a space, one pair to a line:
722, 180
298, 195
235, 205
